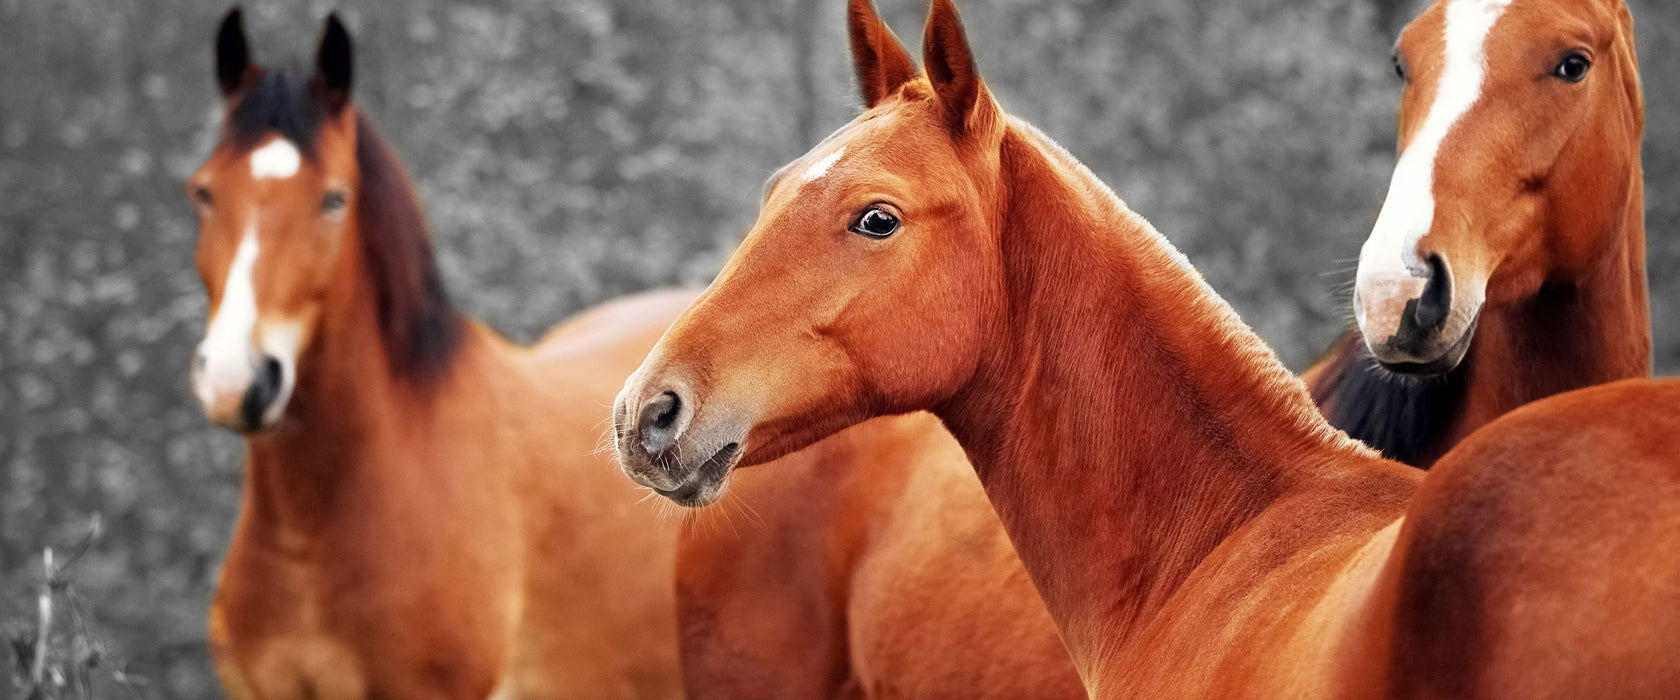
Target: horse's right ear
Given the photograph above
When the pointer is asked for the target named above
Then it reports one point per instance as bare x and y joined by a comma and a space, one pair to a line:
882, 64
233, 54
333, 64
950, 69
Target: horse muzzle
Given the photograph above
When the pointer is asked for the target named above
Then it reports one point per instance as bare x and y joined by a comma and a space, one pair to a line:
1416, 322
664, 445
246, 393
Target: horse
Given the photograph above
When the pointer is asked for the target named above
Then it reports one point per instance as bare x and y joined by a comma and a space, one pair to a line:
1508, 261
1194, 525
874, 557
426, 512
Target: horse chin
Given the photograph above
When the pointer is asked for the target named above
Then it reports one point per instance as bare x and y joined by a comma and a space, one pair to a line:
1447, 361
705, 482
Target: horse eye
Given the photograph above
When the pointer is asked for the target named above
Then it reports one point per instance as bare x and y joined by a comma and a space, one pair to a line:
201, 196
876, 223
1399, 67
333, 201
1573, 68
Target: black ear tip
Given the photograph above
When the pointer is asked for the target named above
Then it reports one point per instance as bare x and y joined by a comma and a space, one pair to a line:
335, 29
333, 62
335, 40
233, 25
233, 55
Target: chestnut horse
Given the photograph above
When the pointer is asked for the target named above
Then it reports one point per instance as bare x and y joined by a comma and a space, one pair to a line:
1508, 262
425, 512
887, 575
1195, 526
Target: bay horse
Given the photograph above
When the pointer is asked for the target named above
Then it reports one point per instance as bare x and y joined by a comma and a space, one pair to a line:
1193, 524
1508, 261
426, 513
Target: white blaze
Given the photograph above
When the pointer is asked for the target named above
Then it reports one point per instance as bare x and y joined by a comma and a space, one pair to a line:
226, 350
1391, 251
820, 167
277, 159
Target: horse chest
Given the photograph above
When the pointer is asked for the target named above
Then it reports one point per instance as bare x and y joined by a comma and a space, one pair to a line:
276, 647
278, 634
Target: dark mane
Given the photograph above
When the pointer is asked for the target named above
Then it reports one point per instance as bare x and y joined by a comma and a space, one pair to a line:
1404, 418
419, 327
278, 101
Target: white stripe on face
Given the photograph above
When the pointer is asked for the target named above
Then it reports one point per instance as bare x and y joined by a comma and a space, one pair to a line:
278, 159
1390, 253
226, 350
821, 167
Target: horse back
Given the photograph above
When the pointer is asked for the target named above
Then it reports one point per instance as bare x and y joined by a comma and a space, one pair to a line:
627, 320
1542, 556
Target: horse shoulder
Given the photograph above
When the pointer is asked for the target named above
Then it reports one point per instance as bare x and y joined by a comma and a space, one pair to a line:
1290, 597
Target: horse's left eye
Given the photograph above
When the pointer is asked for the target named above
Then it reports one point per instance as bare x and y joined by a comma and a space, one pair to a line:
332, 202
876, 223
1573, 68
1399, 67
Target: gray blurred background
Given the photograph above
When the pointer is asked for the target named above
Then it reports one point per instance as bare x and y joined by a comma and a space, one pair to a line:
573, 151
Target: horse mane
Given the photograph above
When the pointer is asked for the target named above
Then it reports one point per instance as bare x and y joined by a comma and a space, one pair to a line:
417, 323
1403, 417
418, 326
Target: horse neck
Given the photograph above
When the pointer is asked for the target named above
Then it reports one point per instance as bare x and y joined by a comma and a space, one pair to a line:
1578, 332
1126, 422
349, 411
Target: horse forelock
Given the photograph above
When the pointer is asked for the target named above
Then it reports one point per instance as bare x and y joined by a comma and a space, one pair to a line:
280, 102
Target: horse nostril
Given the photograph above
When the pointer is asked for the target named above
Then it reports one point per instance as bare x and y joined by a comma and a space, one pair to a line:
667, 406
1436, 302
658, 418
265, 387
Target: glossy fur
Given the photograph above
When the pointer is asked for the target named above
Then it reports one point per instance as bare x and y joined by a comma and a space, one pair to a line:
1194, 525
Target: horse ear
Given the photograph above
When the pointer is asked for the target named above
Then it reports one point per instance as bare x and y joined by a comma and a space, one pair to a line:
233, 53
333, 65
950, 67
882, 64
